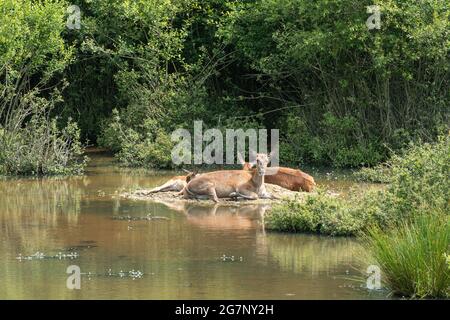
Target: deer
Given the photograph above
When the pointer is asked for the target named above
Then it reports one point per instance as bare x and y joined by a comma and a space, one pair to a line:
176, 183
246, 184
291, 179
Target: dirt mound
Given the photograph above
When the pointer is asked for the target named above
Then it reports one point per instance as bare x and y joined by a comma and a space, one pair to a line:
277, 191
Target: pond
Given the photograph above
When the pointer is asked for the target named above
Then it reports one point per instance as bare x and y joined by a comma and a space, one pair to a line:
194, 252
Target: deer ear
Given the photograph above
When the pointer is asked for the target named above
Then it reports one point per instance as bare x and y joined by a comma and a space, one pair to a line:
273, 155
252, 157
247, 166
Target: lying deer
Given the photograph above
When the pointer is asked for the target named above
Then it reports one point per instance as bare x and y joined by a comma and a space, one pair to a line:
176, 183
247, 184
291, 179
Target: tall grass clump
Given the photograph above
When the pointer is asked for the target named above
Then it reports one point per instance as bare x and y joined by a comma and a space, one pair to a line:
413, 256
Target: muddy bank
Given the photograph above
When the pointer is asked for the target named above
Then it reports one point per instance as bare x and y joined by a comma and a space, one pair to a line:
279, 192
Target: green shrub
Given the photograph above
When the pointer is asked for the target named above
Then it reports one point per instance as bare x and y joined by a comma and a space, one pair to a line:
319, 213
154, 152
33, 56
41, 148
378, 174
419, 183
413, 256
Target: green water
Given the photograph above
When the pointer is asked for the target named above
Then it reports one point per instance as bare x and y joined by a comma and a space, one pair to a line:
180, 257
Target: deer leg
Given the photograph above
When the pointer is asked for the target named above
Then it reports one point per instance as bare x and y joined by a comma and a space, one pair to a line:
246, 194
235, 196
168, 186
267, 195
213, 194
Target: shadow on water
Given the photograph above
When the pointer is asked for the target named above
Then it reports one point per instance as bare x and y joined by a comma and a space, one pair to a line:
191, 251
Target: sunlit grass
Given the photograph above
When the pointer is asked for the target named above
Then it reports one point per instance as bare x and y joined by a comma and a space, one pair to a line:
413, 256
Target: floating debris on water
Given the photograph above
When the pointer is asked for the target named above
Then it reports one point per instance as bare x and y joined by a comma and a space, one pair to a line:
80, 247
148, 217
226, 258
133, 274
41, 256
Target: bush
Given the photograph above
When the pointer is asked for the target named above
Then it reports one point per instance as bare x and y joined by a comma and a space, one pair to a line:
413, 257
33, 55
378, 174
41, 148
419, 184
319, 213
153, 151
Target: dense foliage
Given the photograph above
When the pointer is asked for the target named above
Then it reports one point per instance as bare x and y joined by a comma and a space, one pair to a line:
340, 94
33, 55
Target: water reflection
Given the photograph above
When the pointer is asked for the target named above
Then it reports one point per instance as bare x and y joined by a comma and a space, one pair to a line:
30, 207
180, 256
312, 254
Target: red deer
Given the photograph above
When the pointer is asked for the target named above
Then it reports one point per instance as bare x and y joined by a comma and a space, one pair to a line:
176, 183
292, 179
230, 183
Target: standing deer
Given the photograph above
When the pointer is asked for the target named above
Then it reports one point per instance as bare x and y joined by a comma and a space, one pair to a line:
230, 183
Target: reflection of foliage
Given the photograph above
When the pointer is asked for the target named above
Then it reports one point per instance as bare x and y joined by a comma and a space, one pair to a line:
28, 207
311, 254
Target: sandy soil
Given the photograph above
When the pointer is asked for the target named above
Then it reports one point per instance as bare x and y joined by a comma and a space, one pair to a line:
279, 192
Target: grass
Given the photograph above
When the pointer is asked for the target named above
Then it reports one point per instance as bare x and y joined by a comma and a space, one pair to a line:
413, 256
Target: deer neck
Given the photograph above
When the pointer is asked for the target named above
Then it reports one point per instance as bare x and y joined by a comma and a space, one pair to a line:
258, 180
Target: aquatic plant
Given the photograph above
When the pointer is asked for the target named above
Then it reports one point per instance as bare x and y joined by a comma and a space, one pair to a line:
226, 258
413, 257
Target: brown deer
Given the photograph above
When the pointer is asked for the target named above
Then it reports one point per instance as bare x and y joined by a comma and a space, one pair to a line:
247, 184
176, 183
291, 179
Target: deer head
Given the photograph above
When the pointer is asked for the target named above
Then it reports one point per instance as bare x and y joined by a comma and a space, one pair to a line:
261, 161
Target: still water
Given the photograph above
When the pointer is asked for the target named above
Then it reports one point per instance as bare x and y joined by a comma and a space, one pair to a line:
194, 253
